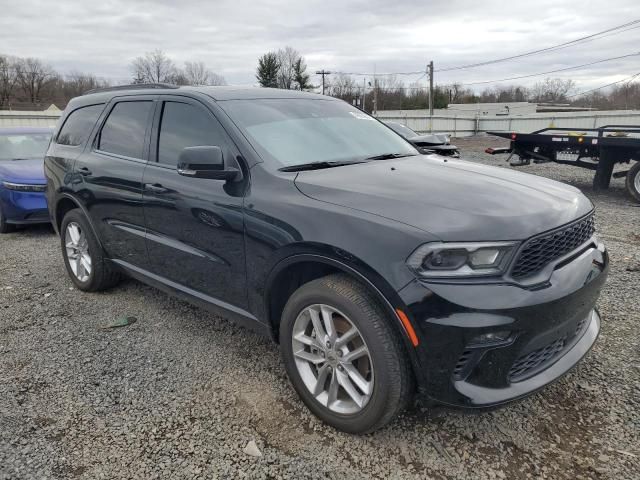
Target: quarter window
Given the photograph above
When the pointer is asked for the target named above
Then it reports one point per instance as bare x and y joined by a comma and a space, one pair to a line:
185, 125
78, 125
124, 131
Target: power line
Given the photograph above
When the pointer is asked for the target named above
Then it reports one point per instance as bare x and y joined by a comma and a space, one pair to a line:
551, 71
594, 36
546, 49
629, 79
371, 74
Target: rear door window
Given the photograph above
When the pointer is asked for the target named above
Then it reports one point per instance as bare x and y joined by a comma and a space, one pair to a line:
124, 132
78, 125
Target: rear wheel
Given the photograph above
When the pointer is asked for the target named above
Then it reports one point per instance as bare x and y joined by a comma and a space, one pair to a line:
345, 361
83, 257
633, 181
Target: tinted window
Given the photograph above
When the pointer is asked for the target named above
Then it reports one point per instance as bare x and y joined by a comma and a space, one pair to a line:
78, 126
124, 131
297, 131
184, 125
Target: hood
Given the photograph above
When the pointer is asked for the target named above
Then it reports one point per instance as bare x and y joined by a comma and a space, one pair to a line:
23, 171
451, 199
430, 139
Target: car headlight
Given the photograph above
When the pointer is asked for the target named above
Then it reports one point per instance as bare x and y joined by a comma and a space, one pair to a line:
24, 187
438, 260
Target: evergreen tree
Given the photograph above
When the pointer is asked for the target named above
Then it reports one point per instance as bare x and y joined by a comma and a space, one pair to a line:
301, 76
268, 68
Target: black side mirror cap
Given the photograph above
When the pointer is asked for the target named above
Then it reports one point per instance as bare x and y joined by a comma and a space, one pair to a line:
206, 162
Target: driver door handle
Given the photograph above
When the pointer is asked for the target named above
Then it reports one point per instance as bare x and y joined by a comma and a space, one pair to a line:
84, 171
155, 188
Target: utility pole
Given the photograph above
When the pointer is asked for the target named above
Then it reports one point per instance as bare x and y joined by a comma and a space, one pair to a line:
364, 94
323, 72
375, 92
430, 72
375, 96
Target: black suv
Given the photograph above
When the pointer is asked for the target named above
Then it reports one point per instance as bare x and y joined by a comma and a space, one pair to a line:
380, 271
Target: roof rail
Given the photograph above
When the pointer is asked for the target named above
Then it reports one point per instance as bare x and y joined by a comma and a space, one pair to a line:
134, 86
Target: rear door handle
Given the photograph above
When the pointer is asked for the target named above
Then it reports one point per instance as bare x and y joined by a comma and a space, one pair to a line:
84, 171
155, 188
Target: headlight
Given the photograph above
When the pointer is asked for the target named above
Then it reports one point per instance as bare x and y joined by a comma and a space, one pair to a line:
23, 187
440, 260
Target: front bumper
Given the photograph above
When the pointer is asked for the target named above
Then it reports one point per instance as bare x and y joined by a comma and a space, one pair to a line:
536, 335
23, 208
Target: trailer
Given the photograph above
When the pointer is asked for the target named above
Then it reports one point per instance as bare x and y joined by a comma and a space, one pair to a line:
597, 149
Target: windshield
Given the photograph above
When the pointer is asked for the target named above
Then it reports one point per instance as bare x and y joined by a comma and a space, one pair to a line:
300, 131
19, 146
403, 130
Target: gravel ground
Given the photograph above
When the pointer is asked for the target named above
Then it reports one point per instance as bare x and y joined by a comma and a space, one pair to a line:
181, 392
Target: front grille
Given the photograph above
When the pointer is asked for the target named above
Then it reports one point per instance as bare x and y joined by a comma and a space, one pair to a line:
533, 362
539, 251
535, 359
462, 363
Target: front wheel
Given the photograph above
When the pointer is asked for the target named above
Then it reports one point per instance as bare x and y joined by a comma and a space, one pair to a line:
343, 357
633, 181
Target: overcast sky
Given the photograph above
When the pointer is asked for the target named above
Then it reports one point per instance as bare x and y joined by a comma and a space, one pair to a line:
341, 35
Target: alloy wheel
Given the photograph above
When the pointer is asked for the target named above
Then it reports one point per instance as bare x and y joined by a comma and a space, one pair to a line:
332, 359
77, 248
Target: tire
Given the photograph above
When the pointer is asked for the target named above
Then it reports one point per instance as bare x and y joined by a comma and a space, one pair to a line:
385, 365
4, 226
101, 274
633, 181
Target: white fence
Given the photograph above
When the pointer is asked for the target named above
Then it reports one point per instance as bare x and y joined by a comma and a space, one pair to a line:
458, 126
464, 125
10, 118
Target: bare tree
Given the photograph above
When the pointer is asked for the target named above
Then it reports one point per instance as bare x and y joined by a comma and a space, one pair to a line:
154, 67
505, 93
8, 78
33, 77
287, 58
77, 83
552, 90
343, 86
197, 73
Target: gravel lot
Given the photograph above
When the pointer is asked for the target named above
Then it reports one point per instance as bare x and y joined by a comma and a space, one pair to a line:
181, 392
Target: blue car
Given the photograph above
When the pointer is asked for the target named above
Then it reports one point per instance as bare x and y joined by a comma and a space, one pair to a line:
22, 183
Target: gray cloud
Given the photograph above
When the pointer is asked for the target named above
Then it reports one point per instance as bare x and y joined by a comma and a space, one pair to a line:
356, 36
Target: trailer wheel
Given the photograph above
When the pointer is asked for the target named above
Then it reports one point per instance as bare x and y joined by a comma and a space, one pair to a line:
633, 181
603, 171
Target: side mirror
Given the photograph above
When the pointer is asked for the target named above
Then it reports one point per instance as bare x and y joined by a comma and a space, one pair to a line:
206, 162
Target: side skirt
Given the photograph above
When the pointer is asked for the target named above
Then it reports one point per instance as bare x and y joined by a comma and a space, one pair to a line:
226, 310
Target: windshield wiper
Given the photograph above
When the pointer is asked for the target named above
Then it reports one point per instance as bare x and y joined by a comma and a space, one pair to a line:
318, 165
387, 156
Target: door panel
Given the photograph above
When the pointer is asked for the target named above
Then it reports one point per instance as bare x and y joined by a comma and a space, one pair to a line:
194, 226
110, 183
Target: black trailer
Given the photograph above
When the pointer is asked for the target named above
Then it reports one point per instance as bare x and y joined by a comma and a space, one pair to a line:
597, 149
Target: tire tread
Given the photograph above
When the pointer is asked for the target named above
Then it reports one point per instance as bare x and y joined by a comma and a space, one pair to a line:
105, 274
400, 383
